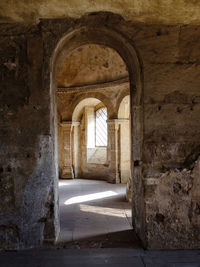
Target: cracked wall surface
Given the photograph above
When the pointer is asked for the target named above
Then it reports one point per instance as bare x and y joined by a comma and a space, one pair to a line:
27, 175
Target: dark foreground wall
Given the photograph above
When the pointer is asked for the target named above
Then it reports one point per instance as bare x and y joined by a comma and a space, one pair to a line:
170, 57
26, 171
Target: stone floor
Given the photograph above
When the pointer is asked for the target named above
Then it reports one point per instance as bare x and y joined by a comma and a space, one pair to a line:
96, 230
95, 214
117, 257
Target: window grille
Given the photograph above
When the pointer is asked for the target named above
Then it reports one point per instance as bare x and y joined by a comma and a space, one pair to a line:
101, 127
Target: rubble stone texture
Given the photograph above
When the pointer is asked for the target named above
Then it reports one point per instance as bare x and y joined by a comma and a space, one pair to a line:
165, 122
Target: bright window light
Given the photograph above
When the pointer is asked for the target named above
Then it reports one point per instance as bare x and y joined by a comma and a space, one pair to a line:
85, 198
91, 132
101, 127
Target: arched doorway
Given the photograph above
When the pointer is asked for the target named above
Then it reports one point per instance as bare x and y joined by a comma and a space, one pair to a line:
89, 139
82, 142
107, 37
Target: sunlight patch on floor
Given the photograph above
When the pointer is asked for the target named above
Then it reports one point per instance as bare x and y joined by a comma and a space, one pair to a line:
63, 183
89, 197
102, 210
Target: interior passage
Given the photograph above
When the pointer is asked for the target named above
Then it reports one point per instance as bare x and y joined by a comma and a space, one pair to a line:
90, 208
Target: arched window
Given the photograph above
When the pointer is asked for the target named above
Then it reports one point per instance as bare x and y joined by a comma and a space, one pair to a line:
101, 127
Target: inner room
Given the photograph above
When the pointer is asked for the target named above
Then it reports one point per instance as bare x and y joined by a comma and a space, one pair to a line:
93, 110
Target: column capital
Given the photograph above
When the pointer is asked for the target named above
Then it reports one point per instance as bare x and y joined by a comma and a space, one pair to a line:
112, 121
113, 124
66, 124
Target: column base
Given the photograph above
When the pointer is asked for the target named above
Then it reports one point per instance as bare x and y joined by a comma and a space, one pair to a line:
66, 173
114, 178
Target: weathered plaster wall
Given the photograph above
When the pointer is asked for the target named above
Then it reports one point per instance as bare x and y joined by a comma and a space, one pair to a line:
154, 11
173, 208
91, 64
27, 175
171, 135
97, 155
170, 58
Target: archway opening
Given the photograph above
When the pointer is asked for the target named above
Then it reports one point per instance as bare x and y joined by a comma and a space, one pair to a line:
89, 140
90, 149
84, 36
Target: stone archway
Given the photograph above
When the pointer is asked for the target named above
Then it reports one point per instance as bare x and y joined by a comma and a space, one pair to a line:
86, 33
92, 159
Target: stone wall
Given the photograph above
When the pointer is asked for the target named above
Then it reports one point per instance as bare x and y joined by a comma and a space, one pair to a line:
171, 136
27, 174
173, 210
170, 57
97, 155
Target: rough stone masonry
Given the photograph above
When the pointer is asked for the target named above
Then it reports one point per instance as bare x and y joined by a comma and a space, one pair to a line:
170, 64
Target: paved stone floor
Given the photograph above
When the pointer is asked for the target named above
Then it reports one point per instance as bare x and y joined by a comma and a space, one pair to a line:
96, 230
100, 257
91, 209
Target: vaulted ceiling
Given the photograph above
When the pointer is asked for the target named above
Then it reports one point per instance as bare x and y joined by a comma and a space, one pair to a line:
91, 64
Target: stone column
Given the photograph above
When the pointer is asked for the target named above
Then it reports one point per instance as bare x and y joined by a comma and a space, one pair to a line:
66, 153
76, 149
113, 160
125, 152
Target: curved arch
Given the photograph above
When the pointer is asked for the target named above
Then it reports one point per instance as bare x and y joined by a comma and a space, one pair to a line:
84, 34
120, 99
122, 113
101, 36
79, 107
101, 97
